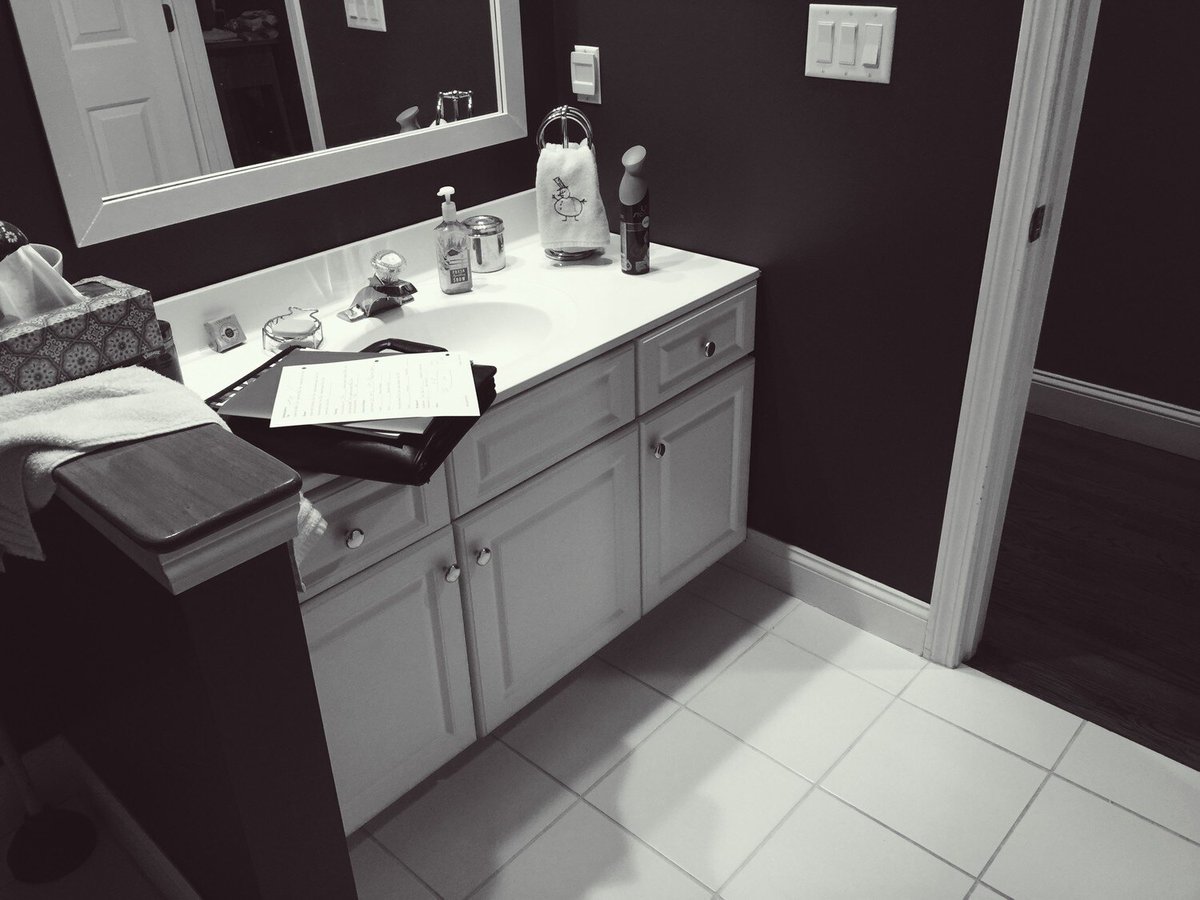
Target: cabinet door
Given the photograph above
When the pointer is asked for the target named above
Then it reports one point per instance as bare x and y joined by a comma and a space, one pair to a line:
389, 659
695, 468
551, 574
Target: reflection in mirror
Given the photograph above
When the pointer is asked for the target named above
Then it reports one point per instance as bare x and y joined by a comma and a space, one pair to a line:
157, 113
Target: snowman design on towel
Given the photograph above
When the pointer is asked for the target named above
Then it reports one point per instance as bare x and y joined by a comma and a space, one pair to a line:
564, 204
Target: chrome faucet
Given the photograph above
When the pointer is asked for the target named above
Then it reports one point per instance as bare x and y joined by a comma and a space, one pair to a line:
385, 290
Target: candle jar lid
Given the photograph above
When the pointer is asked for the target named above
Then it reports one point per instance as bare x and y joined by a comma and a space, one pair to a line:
484, 224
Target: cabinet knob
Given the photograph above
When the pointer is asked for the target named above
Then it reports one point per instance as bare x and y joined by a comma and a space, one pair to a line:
484, 556
660, 449
355, 538
453, 573
709, 349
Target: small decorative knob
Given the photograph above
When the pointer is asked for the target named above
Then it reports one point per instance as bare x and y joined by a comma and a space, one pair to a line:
484, 556
355, 538
709, 349
453, 573
660, 449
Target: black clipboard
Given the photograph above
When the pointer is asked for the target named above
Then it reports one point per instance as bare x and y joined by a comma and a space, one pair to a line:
402, 458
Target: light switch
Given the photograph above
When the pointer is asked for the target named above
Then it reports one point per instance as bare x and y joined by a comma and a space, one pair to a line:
824, 51
847, 44
850, 43
366, 14
872, 40
585, 73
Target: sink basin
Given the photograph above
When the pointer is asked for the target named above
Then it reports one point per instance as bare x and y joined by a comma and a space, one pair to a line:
493, 332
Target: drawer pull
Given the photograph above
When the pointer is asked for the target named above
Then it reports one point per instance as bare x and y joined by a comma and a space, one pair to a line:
355, 538
660, 449
453, 573
484, 556
709, 349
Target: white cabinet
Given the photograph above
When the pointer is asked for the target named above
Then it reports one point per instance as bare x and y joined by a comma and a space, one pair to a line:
695, 469
551, 573
571, 516
389, 659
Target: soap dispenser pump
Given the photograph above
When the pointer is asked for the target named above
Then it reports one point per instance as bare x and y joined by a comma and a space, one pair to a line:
452, 246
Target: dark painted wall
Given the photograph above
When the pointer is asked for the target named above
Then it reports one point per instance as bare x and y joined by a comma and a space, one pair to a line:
1123, 310
867, 208
192, 254
367, 78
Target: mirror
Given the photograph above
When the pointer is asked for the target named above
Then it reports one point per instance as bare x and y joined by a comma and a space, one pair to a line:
114, 160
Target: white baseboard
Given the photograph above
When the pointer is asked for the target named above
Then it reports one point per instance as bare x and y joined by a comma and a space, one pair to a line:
851, 597
1118, 414
60, 774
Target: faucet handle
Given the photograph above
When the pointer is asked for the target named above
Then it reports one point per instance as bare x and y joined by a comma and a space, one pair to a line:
388, 264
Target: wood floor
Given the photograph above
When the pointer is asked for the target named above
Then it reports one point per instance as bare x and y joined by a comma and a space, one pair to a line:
1095, 605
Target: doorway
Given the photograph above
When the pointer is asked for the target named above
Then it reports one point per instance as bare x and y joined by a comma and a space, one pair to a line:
1095, 603
1095, 600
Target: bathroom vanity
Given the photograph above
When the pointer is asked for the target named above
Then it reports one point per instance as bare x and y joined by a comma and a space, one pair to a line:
611, 470
571, 509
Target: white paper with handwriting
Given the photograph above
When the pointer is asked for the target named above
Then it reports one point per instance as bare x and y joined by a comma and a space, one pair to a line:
392, 386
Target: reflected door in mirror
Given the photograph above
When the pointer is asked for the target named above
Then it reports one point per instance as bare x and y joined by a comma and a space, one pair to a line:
123, 86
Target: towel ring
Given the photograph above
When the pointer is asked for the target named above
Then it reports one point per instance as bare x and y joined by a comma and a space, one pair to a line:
563, 115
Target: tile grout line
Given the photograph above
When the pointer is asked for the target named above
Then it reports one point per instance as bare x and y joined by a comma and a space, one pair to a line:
799, 602
647, 845
1021, 816
1133, 812
819, 786
504, 865
582, 798
986, 740
371, 837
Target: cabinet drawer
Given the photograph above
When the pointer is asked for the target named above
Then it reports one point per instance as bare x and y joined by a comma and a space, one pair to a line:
687, 351
390, 516
540, 427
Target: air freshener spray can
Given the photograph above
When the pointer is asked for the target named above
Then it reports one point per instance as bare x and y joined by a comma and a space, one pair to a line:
634, 195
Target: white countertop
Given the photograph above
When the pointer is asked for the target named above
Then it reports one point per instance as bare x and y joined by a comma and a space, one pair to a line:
532, 319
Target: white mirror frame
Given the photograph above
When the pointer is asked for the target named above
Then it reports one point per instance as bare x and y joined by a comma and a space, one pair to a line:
96, 218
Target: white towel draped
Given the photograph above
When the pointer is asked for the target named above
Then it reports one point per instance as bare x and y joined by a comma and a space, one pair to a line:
570, 212
40, 430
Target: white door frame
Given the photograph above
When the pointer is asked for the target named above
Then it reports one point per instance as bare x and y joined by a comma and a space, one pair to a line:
199, 94
1053, 57
308, 82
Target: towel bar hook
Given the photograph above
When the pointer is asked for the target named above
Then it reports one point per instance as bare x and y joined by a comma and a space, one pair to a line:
564, 115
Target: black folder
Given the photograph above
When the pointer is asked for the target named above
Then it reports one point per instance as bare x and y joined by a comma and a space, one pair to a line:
397, 457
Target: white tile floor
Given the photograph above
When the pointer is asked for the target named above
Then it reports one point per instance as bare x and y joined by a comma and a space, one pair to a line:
740, 744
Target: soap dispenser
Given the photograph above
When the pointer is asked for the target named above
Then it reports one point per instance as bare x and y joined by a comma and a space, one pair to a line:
452, 246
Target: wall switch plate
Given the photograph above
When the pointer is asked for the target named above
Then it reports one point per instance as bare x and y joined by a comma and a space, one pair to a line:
850, 43
585, 73
366, 14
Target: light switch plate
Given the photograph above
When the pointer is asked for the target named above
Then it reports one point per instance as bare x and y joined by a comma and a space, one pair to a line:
367, 14
850, 43
580, 75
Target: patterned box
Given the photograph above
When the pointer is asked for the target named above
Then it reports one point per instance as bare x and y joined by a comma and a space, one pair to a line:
114, 326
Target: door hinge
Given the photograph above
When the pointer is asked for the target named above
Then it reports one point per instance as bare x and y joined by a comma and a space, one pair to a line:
1035, 223
170, 17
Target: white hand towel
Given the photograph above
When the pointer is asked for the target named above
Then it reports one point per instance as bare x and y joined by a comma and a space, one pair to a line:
40, 430
570, 212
